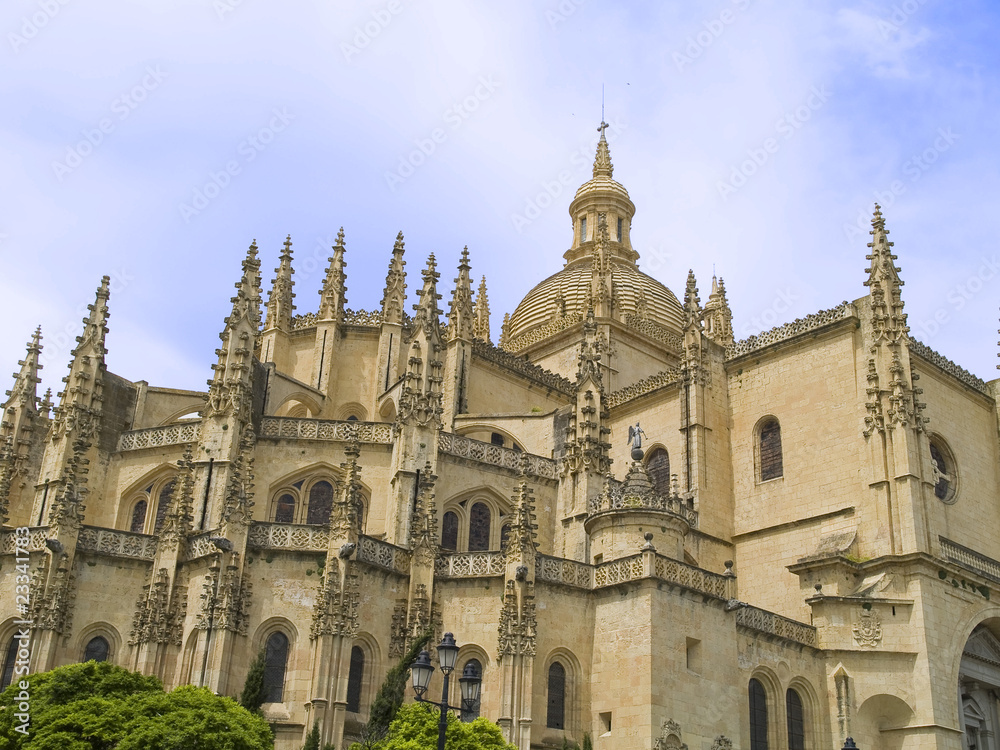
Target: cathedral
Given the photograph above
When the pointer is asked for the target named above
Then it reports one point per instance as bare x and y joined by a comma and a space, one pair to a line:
636, 527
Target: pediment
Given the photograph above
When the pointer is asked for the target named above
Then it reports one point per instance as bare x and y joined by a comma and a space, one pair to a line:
984, 646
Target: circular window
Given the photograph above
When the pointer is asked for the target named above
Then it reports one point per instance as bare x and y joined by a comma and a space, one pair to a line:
944, 472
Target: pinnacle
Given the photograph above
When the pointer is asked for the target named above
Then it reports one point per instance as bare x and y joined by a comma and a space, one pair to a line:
602, 162
287, 253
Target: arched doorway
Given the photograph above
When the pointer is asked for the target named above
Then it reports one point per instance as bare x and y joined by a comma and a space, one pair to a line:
979, 690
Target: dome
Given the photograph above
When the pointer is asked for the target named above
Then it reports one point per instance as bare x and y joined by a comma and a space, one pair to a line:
600, 257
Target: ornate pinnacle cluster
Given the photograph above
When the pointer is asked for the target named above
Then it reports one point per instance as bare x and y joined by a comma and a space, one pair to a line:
461, 317
229, 389
333, 295
692, 302
6, 476
24, 393
66, 513
481, 329
589, 358
179, 519
18, 419
238, 503
718, 317
420, 401
428, 314
888, 318
523, 539
602, 162
345, 518
279, 303
602, 291
79, 407
423, 525
395, 285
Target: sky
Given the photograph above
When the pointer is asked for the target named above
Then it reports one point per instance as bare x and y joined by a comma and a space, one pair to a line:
153, 141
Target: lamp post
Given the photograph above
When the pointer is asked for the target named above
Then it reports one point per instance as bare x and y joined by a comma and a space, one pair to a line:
470, 681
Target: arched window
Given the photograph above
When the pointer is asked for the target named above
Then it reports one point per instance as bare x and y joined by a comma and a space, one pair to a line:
355, 678
496, 439
284, 511
275, 661
769, 443
8, 664
449, 531
320, 503
138, 516
658, 466
97, 649
163, 504
555, 715
796, 721
471, 712
479, 527
758, 716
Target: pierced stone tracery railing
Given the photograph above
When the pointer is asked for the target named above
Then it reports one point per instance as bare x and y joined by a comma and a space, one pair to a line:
36, 540
469, 565
682, 574
154, 437
199, 545
615, 499
789, 330
477, 450
925, 352
767, 622
567, 572
618, 571
116, 543
384, 555
322, 429
968, 558
290, 536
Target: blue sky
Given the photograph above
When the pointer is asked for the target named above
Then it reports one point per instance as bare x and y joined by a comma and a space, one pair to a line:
754, 138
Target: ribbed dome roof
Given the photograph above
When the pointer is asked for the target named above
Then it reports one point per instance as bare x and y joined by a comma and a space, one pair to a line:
602, 216
572, 285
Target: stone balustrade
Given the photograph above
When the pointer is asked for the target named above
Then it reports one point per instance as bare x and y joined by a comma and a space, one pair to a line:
383, 555
288, 536
566, 572
116, 543
469, 565
155, 437
36, 540
487, 453
767, 622
276, 428
985, 566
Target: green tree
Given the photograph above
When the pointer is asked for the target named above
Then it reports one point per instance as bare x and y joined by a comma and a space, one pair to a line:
312, 739
416, 728
252, 697
390, 695
96, 706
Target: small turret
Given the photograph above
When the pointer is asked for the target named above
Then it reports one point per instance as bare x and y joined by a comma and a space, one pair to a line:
718, 317
395, 285
461, 317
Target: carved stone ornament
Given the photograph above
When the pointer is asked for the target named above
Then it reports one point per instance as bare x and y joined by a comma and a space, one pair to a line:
722, 743
670, 737
868, 629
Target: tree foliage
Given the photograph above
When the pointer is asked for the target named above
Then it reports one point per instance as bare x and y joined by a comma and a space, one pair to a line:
416, 728
252, 697
390, 695
312, 739
98, 706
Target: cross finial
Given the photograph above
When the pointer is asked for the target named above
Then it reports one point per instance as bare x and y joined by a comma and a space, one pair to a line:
602, 127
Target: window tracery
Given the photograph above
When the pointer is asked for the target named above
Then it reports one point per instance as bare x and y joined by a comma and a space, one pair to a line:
146, 509
474, 524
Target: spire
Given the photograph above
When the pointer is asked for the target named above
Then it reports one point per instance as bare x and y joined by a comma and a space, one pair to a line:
80, 403
692, 302
427, 312
333, 295
602, 162
395, 285
279, 303
45, 405
481, 328
884, 285
229, 388
460, 318
423, 527
718, 316
504, 327
523, 539
22, 406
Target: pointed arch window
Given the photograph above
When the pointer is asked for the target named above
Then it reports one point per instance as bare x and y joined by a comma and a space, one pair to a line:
98, 649
769, 450
163, 504
796, 721
471, 712
275, 661
284, 509
449, 531
658, 466
555, 715
10, 658
479, 527
355, 679
138, 516
758, 716
320, 503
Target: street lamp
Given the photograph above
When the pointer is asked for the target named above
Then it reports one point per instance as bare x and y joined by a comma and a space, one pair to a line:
470, 681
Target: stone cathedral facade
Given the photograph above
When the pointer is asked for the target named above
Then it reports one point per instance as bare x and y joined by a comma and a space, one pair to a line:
635, 526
